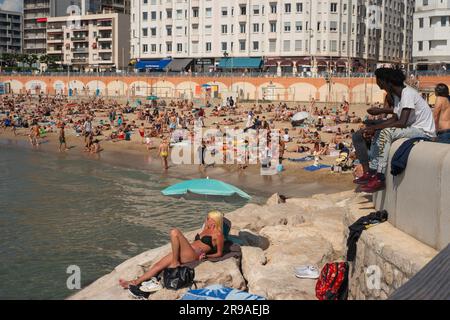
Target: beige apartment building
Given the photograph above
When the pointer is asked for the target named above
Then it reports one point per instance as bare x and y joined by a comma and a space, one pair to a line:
93, 42
291, 34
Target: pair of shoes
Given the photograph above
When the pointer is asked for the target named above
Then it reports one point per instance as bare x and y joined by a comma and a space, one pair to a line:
137, 293
364, 179
152, 285
306, 272
375, 183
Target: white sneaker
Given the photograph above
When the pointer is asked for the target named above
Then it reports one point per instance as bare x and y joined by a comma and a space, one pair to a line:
306, 272
152, 285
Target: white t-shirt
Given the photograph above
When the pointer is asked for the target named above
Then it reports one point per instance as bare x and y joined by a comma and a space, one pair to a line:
422, 117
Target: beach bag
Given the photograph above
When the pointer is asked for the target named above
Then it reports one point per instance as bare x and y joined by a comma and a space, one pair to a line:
179, 277
333, 282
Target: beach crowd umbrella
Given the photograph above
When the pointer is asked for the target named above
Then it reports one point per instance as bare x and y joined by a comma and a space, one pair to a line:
205, 187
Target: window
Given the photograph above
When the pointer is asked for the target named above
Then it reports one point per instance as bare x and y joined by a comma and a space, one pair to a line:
273, 8
333, 26
194, 47
153, 48
224, 46
208, 12
242, 27
287, 45
145, 48
169, 14
420, 22
179, 47
273, 27
420, 45
298, 45
208, 46
255, 27
153, 15
195, 12
179, 31
169, 46
153, 32
144, 32
318, 45
333, 7
256, 10
333, 46
443, 21
145, 16
287, 27
243, 10
224, 11
208, 30
344, 28
287, 8
224, 29
272, 45
242, 45
299, 7
169, 30
255, 45
298, 26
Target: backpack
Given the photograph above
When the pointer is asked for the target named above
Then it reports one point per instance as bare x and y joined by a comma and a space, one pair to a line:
177, 278
333, 282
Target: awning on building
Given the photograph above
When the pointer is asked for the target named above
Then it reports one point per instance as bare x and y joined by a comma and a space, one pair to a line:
179, 64
152, 64
240, 63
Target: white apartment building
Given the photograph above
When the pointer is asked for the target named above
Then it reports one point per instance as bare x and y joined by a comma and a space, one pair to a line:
291, 34
432, 35
93, 42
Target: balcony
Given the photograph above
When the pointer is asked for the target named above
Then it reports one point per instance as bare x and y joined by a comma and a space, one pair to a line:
41, 36
79, 60
273, 17
242, 18
54, 51
80, 50
105, 61
273, 35
55, 40
78, 39
105, 49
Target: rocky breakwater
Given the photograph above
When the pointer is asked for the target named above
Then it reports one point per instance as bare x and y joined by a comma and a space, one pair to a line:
275, 238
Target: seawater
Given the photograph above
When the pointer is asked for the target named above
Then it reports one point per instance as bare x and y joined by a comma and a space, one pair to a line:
62, 210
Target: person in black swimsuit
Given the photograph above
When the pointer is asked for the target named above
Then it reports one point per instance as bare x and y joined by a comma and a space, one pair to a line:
207, 244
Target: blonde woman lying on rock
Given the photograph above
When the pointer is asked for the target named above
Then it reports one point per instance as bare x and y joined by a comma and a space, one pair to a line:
208, 244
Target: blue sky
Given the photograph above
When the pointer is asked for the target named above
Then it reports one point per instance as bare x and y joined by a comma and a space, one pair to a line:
11, 5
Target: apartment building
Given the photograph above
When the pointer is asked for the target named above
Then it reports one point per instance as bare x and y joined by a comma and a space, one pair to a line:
286, 34
10, 32
36, 13
119, 6
93, 42
432, 35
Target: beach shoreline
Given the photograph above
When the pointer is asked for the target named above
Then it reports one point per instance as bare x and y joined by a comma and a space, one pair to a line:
292, 182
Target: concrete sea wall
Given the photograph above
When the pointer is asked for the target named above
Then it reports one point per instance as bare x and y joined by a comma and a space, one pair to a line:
354, 90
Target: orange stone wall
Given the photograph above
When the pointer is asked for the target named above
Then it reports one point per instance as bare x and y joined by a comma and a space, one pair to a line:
355, 90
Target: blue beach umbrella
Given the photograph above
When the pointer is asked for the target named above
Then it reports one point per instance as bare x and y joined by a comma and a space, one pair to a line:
205, 187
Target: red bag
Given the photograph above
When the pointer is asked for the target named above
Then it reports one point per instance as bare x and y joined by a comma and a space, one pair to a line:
333, 282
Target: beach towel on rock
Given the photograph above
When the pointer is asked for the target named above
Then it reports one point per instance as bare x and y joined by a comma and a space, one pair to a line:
315, 168
230, 250
219, 292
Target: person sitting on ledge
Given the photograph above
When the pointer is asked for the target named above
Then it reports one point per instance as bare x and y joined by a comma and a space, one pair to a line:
442, 113
208, 244
412, 118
